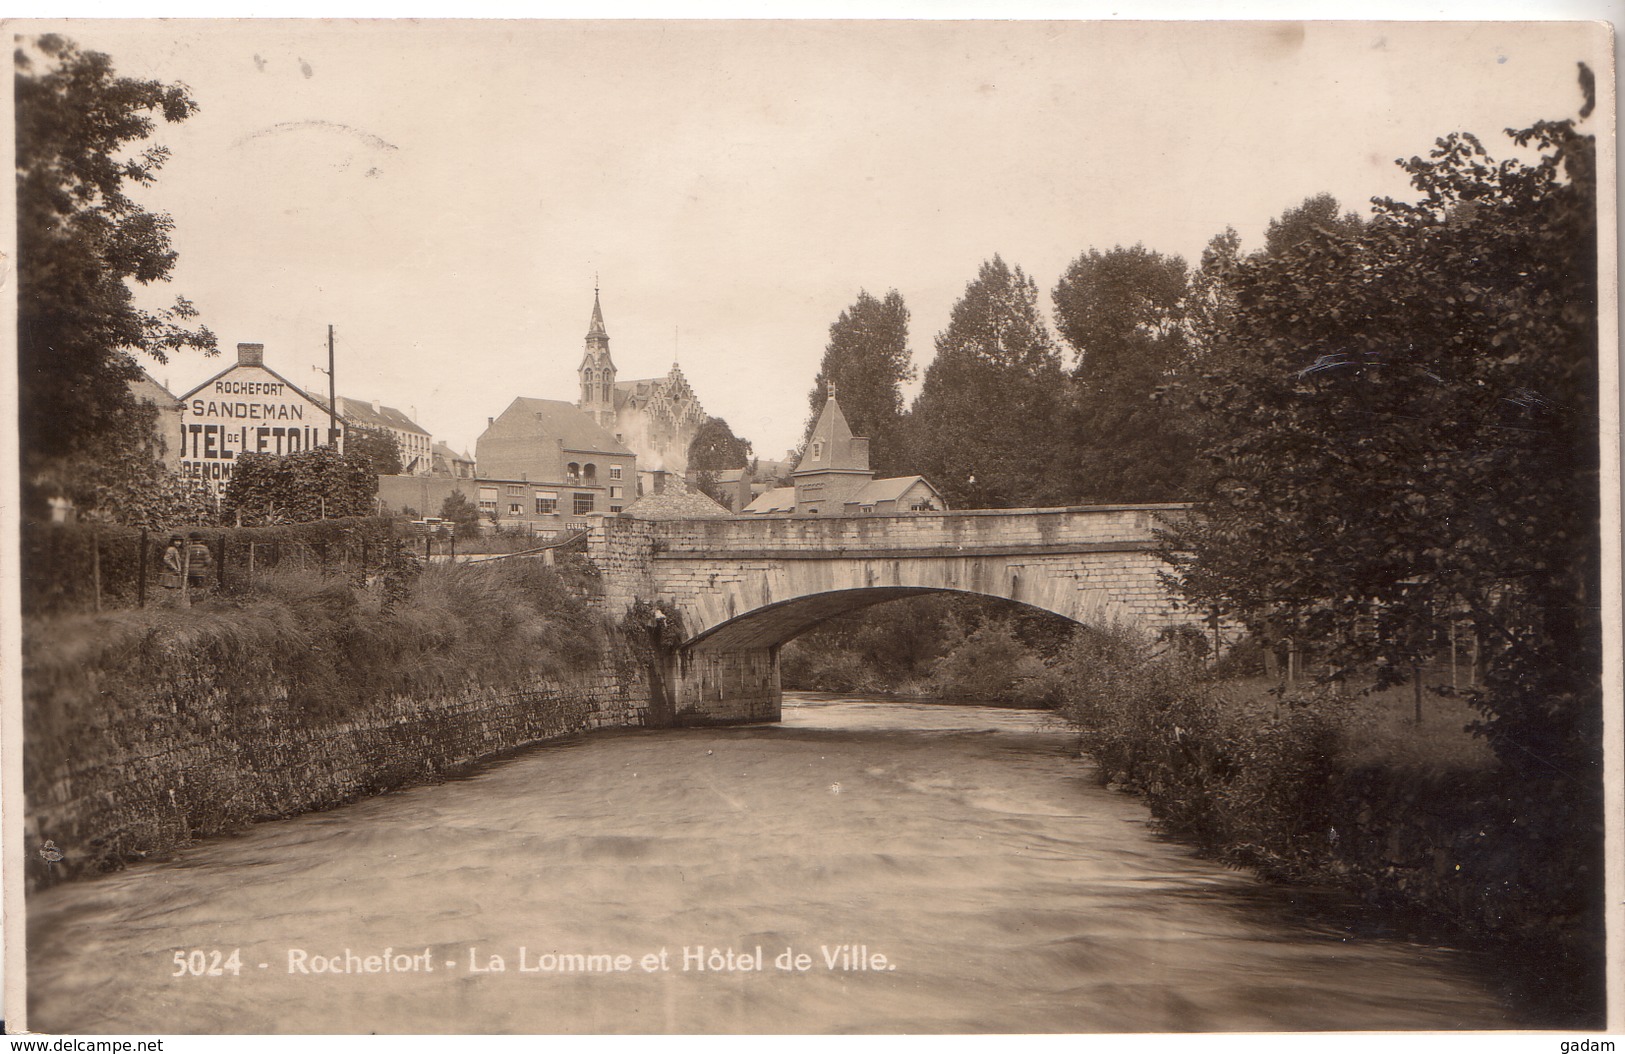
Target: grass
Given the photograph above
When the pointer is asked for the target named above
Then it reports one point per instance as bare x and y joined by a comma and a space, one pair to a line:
1381, 728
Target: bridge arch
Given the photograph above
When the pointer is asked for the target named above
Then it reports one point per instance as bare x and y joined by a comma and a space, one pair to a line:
744, 586
773, 624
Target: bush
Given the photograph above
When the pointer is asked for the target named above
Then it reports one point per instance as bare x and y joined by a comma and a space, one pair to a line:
1281, 785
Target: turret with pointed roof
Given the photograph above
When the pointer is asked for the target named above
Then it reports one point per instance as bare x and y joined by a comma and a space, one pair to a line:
833, 478
835, 464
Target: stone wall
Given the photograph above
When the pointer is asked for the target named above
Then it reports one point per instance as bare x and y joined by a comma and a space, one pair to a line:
216, 750
726, 687
987, 528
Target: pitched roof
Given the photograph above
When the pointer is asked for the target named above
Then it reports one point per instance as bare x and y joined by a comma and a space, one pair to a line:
779, 499
359, 412
441, 449
554, 419
675, 504
831, 442
878, 490
147, 388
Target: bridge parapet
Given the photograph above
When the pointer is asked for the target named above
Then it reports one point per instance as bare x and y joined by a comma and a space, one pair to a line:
944, 532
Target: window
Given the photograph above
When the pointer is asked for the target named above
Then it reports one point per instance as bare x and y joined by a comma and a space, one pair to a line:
614, 492
615, 470
614, 508
589, 473
514, 490
547, 503
818, 450
515, 509
583, 503
488, 506
572, 473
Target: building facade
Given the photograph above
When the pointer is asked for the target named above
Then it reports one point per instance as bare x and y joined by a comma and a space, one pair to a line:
166, 427
560, 461
415, 444
833, 478
656, 418
248, 408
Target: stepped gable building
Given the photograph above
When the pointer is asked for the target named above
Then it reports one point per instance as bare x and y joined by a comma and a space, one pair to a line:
833, 478
544, 458
656, 418
248, 408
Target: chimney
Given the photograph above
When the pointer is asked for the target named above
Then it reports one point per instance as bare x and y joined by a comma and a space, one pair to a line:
377, 407
489, 421
251, 354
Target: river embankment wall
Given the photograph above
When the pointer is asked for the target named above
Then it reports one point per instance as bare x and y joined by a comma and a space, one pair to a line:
142, 739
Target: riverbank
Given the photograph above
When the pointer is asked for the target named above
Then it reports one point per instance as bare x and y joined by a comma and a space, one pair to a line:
1313, 787
147, 728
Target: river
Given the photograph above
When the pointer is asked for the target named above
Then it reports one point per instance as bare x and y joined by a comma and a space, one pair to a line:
940, 868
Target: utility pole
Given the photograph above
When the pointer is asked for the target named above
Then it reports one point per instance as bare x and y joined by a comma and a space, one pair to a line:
332, 395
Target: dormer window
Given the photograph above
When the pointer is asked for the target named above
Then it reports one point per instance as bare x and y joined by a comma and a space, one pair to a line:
818, 450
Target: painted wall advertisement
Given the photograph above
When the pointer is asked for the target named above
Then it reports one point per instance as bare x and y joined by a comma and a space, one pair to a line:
245, 410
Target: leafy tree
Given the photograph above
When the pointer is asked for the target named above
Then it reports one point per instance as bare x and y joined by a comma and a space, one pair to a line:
1407, 432
868, 361
1210, 299
1316, 216
1119, 306
379, 447
714, 449
983, 426
462, 514
1123, 313
80, 239
313, 484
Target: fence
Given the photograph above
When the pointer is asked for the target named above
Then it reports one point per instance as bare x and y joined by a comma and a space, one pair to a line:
89, 567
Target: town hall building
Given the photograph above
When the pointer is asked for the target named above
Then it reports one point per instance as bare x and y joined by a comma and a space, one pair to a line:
656, 418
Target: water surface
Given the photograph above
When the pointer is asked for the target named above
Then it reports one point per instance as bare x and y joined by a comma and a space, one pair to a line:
968, 846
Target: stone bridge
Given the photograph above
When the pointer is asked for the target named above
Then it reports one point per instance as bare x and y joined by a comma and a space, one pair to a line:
737, 589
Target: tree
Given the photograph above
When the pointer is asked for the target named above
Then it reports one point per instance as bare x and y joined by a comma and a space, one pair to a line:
313, 484
462, 514
715, 449
1316, 216
983, 426
868, 361
1408, 432
1210, 298
80, 239
379, 447
1123, 312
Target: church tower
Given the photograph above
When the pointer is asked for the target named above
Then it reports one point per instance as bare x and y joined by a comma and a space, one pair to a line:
598, 370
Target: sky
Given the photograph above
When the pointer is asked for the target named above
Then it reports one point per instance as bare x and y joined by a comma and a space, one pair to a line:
446, 194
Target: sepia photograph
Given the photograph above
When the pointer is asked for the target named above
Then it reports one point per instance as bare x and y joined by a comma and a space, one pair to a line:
738, 527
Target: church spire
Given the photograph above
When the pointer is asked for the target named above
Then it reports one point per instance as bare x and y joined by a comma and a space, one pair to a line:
596, 330
597, 368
